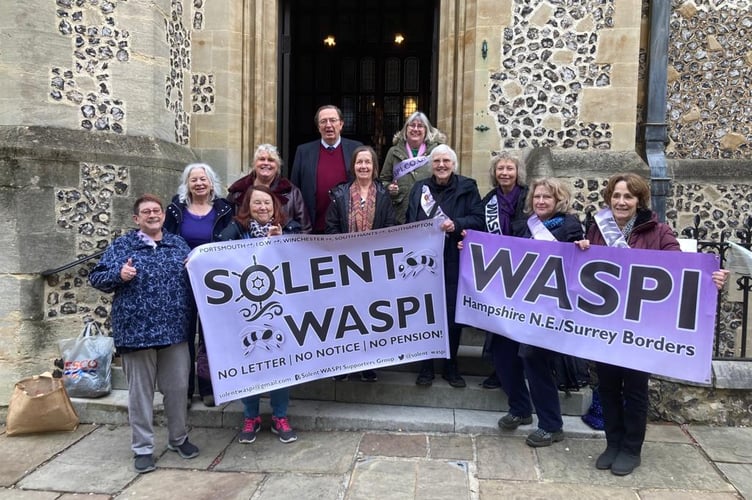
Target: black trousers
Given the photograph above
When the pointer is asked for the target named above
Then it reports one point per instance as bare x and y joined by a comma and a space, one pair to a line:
204, 385
624, 397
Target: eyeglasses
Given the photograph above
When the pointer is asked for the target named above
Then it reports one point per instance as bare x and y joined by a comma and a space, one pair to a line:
415, 125
324, 121
147, 211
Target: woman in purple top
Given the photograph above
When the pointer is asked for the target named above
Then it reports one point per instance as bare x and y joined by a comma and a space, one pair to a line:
199, 215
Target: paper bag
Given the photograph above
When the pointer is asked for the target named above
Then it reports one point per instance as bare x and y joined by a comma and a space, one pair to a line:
40, 404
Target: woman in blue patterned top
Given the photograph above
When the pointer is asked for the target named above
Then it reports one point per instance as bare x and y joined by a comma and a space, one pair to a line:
145, 271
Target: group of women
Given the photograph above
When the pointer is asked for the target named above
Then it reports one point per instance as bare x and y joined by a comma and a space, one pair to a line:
261, 204
419, 181
543, 211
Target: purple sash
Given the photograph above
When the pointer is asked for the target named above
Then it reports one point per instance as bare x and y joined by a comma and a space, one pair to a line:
406, 166
432, 210
493, 224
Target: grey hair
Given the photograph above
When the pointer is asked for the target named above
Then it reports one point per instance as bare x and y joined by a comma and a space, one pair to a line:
184, 194
432, 133
507, 158
444, 149
269, 149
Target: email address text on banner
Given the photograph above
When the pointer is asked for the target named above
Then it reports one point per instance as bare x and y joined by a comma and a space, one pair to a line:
289, 309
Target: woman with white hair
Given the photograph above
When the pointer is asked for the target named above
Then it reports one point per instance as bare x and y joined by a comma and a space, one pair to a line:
455, 200
199, 215
407, 160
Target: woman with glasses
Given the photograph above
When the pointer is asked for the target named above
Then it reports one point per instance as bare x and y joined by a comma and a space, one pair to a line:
199, 215
360, 205
407, 160
266, 166
145, 270
455, 201
260, 216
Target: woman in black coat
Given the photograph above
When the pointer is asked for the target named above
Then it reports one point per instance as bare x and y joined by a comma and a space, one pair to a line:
454, 199
548, 203
360, 205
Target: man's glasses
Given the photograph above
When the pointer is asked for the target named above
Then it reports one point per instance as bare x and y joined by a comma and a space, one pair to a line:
147, 211
324, 121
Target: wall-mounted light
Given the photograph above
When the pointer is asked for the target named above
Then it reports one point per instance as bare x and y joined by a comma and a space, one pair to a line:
484, 49
329, 41
398, 38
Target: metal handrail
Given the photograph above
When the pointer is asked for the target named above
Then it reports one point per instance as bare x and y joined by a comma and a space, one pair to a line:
744, 283
50, 272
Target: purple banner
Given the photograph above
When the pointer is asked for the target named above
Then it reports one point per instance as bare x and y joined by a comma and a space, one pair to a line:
284, 310
643, 309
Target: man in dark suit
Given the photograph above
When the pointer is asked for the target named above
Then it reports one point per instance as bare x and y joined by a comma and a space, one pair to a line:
321, 165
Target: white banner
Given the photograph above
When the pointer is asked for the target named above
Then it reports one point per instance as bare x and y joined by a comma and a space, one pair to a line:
289, 309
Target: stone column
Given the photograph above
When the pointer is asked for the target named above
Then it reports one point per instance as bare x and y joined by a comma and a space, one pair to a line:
93, 114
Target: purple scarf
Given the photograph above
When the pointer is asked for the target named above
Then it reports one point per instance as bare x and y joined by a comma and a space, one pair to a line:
507, 207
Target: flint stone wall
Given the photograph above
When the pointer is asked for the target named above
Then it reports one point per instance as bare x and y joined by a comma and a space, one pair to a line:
64, 194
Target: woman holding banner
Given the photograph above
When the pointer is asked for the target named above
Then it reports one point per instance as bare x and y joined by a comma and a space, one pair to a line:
502, 206
550, 202
455, 200
360, 205
627, 222
261, 215
407, 160
198, 214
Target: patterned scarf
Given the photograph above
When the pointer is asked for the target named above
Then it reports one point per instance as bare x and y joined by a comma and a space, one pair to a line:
362, 211
554, 222
628, 227
257, 230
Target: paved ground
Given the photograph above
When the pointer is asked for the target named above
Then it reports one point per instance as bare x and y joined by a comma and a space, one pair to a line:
95, 460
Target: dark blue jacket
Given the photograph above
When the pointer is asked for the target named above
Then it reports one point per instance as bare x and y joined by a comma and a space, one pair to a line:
176, 208
152, 309
569, 231
518, 211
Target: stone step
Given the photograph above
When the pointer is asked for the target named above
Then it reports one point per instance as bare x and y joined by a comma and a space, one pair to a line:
310, 415
398, 388
469, 362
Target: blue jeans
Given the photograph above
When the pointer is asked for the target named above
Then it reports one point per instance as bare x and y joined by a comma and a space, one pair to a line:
280, 398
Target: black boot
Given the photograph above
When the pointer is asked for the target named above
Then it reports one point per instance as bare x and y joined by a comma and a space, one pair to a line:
425, 376
625, 463
452, 376
606, 459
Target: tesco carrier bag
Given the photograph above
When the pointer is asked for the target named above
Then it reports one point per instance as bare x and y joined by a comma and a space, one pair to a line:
87, 363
